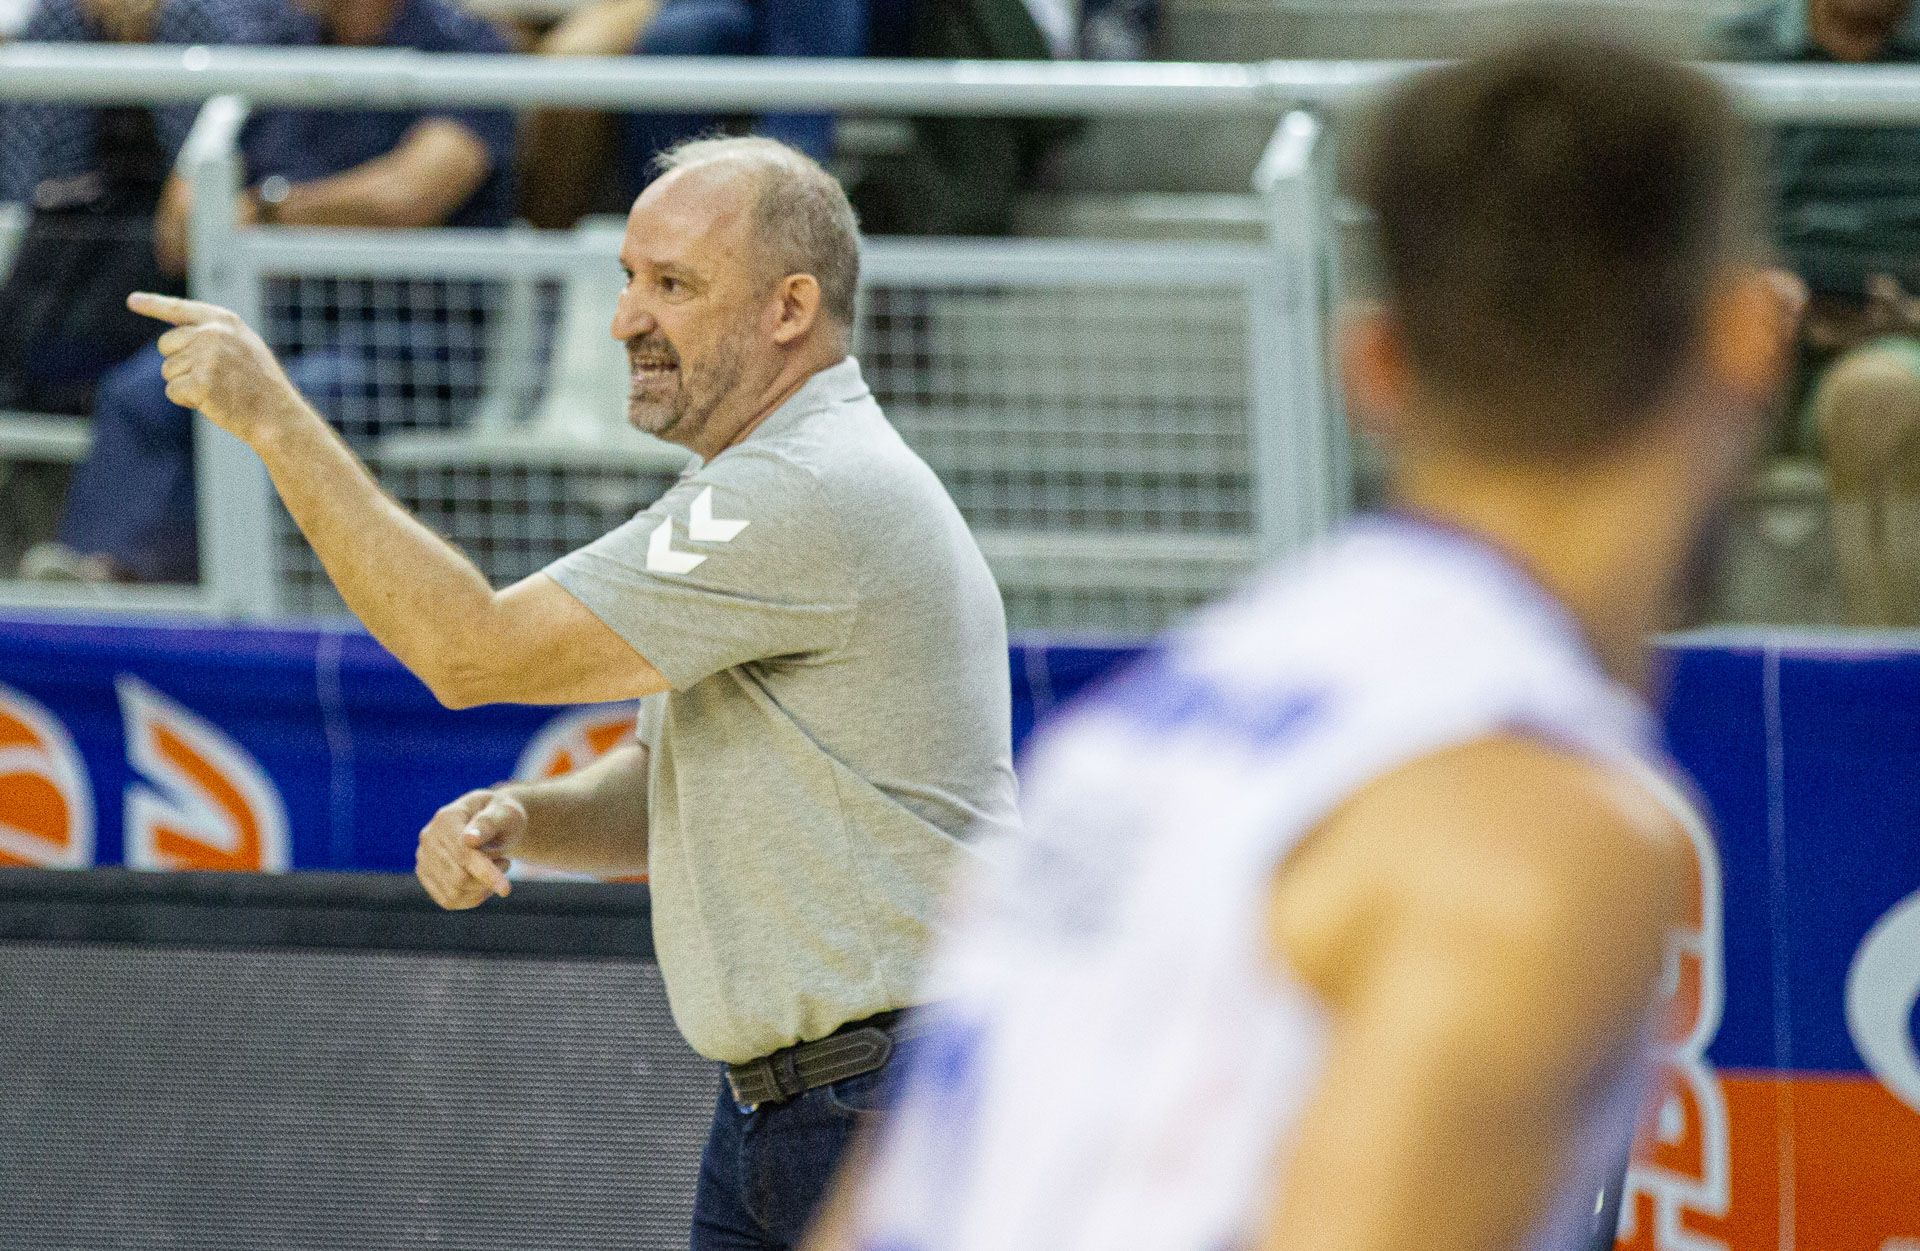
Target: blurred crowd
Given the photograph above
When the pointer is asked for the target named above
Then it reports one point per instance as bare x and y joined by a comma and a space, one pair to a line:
107, 214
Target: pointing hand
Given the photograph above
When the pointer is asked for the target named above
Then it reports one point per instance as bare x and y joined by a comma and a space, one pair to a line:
218, 364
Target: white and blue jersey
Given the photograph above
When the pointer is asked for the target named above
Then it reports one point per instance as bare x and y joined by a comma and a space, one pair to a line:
1117, 1060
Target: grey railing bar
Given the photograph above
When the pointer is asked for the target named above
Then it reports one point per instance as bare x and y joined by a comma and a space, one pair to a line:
391, 78
349, 77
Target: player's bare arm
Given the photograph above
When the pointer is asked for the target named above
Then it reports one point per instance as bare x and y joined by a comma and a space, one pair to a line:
423, 599
1443, 1117
592, 820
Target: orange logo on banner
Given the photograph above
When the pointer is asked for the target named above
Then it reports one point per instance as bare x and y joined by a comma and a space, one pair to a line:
206, 803
1682, 1162
46, 804
572, 741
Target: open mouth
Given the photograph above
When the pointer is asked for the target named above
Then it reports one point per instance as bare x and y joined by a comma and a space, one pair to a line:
651, 361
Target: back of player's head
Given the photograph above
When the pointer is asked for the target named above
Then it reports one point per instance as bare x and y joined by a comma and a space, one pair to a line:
1551, 221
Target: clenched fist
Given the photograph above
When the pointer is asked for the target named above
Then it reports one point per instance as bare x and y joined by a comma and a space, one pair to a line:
464, 850
218, 364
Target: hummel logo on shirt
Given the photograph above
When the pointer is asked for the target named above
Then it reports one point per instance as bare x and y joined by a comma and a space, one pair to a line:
702, 527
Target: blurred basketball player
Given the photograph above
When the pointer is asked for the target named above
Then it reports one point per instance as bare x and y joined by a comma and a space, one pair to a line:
1338, 920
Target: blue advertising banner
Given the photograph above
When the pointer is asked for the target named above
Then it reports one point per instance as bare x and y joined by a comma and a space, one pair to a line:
193, 746
1789, 1110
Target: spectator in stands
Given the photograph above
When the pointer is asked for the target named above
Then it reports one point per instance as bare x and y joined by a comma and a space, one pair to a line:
1846, 201
58, 142
567, 149
961, 173
90, 177
130, 513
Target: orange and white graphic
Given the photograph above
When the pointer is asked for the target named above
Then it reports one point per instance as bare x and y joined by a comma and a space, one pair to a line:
46, 802
1682, 1164
572, 741
204, 803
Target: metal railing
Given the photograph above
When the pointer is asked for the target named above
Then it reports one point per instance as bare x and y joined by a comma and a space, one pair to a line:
397, 78
1068, 558
1130, 427
1119, 462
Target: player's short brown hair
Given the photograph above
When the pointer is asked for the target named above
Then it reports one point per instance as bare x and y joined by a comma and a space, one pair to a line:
1550, 220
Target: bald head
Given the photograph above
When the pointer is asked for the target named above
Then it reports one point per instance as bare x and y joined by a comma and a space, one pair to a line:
799, 221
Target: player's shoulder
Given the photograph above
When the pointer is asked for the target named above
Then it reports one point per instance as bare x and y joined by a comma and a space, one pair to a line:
1399, 610
1524, 833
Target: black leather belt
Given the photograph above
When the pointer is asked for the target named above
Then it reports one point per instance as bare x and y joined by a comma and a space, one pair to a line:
855, 1048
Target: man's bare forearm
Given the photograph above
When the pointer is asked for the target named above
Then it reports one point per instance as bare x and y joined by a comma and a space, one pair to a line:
421, 182
530, 643
593, 820
413, 590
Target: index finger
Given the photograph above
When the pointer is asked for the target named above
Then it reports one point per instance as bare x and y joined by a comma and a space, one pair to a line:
171, 308
484, 868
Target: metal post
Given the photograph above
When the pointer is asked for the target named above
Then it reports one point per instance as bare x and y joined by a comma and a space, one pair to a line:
236, 502
512, 383
1332, 285
1298, 464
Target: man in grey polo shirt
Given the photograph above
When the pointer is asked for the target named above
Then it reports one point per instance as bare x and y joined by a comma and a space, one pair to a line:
819, 646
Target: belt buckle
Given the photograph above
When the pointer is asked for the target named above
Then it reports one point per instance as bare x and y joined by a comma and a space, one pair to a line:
784, 1067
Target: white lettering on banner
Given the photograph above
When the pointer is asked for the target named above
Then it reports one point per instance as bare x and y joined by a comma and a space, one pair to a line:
1684, 1159
1882, 988
702, 527
46, 801
205, 803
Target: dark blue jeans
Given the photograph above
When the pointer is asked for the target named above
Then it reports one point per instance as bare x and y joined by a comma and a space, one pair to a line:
765, 1172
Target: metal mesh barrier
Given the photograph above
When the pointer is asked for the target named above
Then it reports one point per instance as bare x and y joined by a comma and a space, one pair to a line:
396, 361
1108, 411
380, 354
358, 1098
1067, 420
1128, 426
1088, 407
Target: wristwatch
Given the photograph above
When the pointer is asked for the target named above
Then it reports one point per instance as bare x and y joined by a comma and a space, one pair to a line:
270, 195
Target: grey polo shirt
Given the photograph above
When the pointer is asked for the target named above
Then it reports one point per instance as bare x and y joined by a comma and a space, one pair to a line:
1845, 200
838, 724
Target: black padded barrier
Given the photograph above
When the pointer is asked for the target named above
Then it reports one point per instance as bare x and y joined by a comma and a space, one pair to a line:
229, 1061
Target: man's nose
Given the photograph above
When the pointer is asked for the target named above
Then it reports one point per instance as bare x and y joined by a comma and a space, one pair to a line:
630, 320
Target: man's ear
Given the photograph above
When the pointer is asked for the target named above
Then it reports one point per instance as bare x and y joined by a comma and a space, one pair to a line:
796, 309
1373, 363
